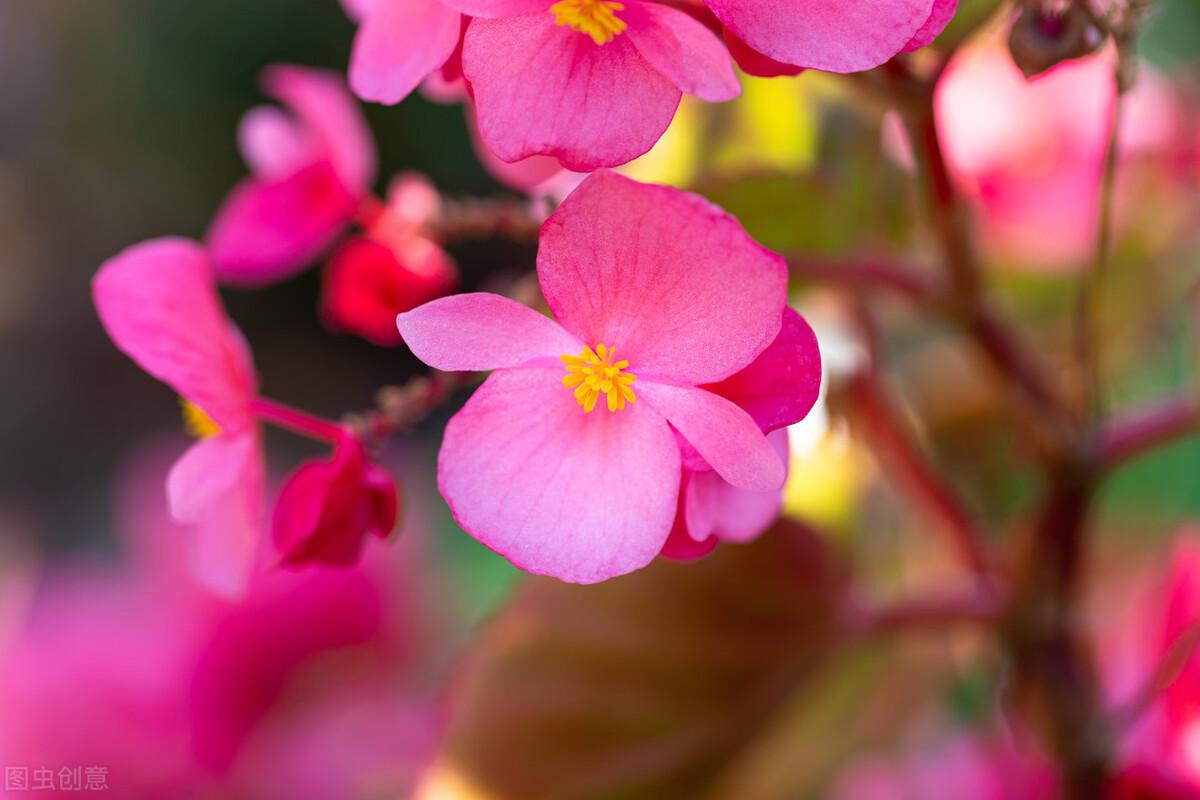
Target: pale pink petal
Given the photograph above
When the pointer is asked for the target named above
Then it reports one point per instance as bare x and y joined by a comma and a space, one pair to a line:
524, 175
158, 302
490, 9
781, 385
676, 44
399, 44
668, 279
266, 231
939, 17
680, 546
324, 105
480, 331
216, 487
713, 507
831, 35
544, 89
357, 9
274, 143
724, 435
582, 497
755, 63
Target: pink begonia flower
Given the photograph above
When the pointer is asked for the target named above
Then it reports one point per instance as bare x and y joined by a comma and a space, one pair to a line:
158, 302
564, 461
777, 389
593, 83
400, 44
1030, 153
310, 169
117, 661
327, 508
394, 267
830, 35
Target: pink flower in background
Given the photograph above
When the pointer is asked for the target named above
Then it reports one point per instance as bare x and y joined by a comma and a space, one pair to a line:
158, 302
394, 267
1030, 153
777, 389
327, 508
399, 44
581, 481
593, 83
311, 168
779, 37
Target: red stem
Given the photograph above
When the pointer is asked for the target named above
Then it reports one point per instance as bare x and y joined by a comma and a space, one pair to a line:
297, 421
1143, 430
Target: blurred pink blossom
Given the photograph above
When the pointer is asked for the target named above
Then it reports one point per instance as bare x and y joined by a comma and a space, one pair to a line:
400, 44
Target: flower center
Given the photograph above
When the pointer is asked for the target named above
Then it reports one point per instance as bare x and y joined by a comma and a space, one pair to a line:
596, 18
594, 372
196, 422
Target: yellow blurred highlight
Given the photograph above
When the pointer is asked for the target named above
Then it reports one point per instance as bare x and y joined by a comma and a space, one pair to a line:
825, 481
443, 781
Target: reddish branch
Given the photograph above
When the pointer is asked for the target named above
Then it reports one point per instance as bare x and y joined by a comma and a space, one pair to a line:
981, 605
1125, 438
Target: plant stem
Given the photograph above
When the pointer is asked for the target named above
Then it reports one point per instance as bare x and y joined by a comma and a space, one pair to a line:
297, 421
1133, 435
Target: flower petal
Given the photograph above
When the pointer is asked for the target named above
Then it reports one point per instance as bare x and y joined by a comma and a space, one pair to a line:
832, 35
582, 497
680, 546
544, 89
723, 434
274, 143
755, 63
490, 9
478, 331
158, 302
690, 55
320, 100
939, 18
266, 231
651, 271
399, 44
715, 508
217, 488
780, 386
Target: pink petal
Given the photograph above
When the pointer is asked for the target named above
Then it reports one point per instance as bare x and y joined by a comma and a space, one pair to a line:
524, 175
217, 488
668, 279
544, 89
582, 497
680, 546
158, 302
939, 17
320, 100
690, 55
266, 231
781, 385
274, 143
480, 331
755, 63
357, 9
715, 508
724, 435
831, 35
399, 44
491, 9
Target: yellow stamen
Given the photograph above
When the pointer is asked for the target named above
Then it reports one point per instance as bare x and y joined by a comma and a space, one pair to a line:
196, 422
595, 18
596, 372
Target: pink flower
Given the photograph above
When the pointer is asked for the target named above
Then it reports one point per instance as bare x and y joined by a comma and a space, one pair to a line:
777, 389
327, 508
642, 280
395, 267
158, 302
593, 83
774, 37
399, 44
311, 170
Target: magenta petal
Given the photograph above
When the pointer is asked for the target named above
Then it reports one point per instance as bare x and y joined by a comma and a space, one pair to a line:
755, 63
158, 302
668, 279
724, 435
399, 44
544, 89
831, 35
266, 231
490, 9
781, 385
216, 487
582, 497
321, 102
690, 55
480, 331
713, 507
939, 18
274, 143
680, 546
